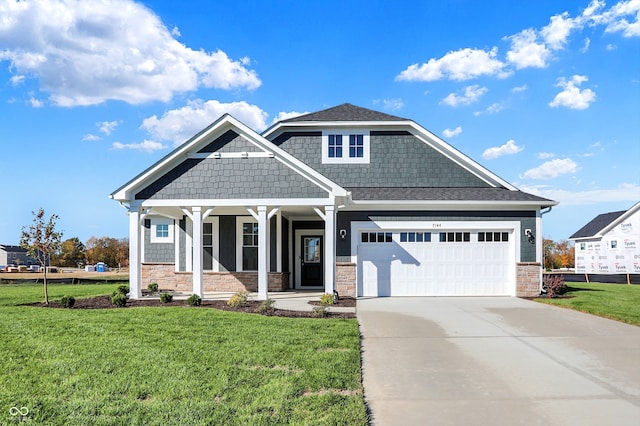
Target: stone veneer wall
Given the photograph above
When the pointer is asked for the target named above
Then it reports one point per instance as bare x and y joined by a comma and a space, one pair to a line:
168, 279
528, 279
346, 279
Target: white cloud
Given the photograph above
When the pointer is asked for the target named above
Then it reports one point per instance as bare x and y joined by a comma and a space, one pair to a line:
551, 169
17, 80
519, 89
178, 125
611, 47
107, 127
572, 97
471, 95
587, 43
91, 137
286, 115
36, 103
390, 104
509, 148
545, 155
145, 146
491, 109
85, 53
624, 192
459, 65
556, 33
448, 133
623, 17
526, 52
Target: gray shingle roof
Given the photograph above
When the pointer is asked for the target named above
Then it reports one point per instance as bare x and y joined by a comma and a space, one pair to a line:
345, 112
445, 194
597, 224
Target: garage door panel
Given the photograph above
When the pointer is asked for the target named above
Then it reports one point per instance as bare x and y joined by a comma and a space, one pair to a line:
436, 268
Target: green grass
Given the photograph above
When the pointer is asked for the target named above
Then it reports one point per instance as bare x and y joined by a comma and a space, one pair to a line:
173, 365
616, 301
20, 294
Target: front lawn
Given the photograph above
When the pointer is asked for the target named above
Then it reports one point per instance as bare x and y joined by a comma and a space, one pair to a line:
616, 301
174, 365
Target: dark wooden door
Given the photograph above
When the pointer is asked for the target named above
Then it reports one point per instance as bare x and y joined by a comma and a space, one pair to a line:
311, 271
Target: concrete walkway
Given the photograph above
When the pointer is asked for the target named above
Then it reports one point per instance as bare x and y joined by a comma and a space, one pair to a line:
496, 361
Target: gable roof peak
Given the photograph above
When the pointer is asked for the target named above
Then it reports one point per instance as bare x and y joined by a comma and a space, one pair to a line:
345, 112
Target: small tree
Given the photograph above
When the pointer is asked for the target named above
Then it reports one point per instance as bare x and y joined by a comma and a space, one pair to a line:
41, 240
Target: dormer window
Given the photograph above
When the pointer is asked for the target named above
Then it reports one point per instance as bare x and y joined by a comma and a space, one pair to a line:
336, 151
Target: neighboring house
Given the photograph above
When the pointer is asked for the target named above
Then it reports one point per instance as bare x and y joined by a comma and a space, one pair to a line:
346, 199
609, 244
15, 255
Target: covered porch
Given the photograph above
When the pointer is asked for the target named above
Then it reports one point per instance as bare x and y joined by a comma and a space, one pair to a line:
205, 247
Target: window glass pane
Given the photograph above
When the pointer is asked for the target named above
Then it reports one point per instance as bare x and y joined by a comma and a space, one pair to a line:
505, 236
403, 237
496, 236
388, 237
207, 240
381, 237
412, 237
255, 240
427, 237
249, 258
466, 237
459, 237
481, 237
450, 236
443, 237
419, 237
489, 236
207, 228
207, 258
247, 240
365, 237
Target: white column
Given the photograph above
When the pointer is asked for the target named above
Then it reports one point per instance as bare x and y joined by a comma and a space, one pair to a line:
279, 242
263, 275
329, 249
197, 250
135, 268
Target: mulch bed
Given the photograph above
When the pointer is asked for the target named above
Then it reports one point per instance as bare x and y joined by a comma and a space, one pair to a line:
104, 302
344, 302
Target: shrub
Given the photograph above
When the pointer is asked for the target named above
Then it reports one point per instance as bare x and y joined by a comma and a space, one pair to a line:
166, 297
124, 289
119, 299
68, 301
327, 299
239, 299
266, 306
554, 285
152, 287
321, 311
194, 300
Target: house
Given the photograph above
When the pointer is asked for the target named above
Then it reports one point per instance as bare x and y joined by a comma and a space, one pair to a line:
346, 199
15, 255
609, 244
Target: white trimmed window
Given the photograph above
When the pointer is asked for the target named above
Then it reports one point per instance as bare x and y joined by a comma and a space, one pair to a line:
247, 244
345, 146
161, 230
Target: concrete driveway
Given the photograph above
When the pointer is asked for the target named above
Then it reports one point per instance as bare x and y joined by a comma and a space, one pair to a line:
496, 361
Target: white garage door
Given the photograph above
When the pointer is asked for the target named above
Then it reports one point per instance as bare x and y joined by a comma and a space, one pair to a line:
443, 263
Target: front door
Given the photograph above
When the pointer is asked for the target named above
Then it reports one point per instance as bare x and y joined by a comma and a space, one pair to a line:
311, 267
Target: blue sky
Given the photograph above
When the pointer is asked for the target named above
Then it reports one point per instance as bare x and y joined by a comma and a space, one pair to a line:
545, 94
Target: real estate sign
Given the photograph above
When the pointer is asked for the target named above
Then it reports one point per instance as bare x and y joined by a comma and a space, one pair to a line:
617, 252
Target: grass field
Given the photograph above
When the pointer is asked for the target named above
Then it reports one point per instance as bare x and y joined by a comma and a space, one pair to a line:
616, 301
173, 365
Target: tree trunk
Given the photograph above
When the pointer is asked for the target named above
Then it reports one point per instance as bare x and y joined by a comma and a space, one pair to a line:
46, 293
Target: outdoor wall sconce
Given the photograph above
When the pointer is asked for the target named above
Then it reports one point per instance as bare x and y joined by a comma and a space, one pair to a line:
530, 237
343, 233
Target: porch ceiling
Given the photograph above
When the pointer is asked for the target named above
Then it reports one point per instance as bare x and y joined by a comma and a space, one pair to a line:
296, 212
